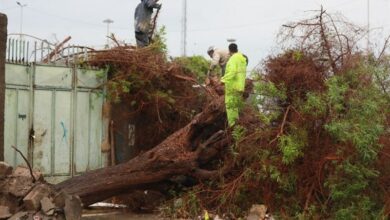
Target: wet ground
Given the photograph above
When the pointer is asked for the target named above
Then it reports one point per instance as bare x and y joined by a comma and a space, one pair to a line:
115, 214
119, 216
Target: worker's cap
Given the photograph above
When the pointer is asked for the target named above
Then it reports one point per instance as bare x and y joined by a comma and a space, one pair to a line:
211, 48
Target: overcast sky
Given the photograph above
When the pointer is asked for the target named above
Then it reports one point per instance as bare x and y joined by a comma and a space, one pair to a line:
254, 23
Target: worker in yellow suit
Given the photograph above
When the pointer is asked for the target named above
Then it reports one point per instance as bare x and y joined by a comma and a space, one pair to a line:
234, 80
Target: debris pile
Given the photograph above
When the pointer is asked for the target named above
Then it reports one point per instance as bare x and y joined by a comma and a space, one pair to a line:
319, 151
24, 194
149, 91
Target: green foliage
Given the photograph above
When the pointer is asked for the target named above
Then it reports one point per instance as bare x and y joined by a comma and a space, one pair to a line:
186, 204
311, 213
165, 96
347, 186
336, 93
238, 132
197, 65
160, 40
315, 105
285, 182
116, 88
357, 119
102, 74
352, 111
292, 145
266, 99
269, 90
193, 203
298, 55
358, 115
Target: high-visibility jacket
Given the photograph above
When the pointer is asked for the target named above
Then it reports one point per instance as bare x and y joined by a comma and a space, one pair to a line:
234, 80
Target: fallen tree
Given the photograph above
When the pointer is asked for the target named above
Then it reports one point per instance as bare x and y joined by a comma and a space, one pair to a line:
182, 153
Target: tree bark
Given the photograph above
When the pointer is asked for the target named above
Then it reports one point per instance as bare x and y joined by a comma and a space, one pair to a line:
3, 46
182, 153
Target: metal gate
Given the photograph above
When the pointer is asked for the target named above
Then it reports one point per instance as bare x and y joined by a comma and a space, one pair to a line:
53, 114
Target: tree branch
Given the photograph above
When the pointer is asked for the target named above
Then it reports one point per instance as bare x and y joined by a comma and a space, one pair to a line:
28, 164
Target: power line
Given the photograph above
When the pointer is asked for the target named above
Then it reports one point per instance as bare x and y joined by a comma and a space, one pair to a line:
65, 18
259, 23
72, 20
343, 3
4, 9
240, 25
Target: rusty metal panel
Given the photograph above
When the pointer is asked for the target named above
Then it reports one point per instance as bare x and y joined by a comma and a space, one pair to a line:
17, 75
57, 77
82, 125
95, 130
43, 132
62, 133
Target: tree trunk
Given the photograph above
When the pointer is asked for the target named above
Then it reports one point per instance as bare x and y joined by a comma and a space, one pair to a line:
182, 153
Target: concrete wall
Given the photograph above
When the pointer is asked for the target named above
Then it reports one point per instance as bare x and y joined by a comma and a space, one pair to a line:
3, 41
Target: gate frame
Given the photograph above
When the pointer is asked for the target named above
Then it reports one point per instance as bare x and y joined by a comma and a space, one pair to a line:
3, 46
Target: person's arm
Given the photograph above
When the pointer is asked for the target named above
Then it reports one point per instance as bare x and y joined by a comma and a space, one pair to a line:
230, 73
153, 4
215, 61
246, 59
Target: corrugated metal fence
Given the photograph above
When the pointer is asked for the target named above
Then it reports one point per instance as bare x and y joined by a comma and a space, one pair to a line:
23, 51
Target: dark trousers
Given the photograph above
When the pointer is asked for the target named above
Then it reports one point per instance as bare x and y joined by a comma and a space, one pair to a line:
142, 39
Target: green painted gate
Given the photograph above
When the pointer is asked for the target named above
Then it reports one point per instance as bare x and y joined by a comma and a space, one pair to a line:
53, 114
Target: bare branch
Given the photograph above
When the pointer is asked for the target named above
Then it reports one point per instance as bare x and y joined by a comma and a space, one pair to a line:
28, 164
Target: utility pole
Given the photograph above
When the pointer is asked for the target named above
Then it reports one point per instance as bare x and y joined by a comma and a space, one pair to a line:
184, 29
108, 22
21, 17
